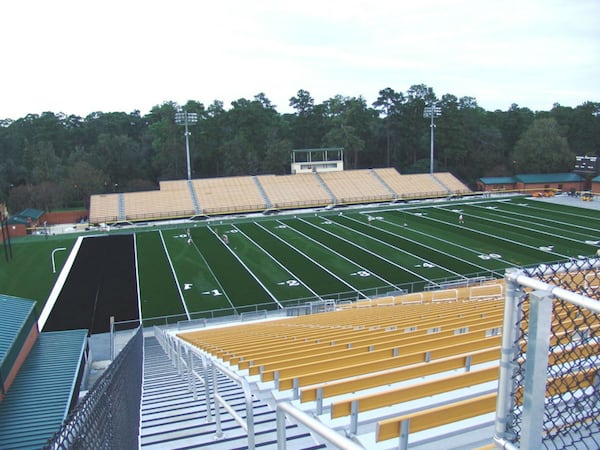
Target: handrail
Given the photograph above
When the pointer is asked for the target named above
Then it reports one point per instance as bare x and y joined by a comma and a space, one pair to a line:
313, 424
568, 296
175, 348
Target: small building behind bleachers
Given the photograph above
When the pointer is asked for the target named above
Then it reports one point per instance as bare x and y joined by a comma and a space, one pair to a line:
531, 182
595, 187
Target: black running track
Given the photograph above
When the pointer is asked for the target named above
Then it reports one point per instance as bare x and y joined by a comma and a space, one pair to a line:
101, 284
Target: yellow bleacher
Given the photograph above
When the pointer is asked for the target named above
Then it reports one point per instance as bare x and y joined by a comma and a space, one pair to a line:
356, 186
228, 195
104, 208
157, 204
294, 191
451, 182
436, 416
411, 185
378, 356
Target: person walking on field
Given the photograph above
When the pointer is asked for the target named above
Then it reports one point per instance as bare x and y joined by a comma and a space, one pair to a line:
461, 219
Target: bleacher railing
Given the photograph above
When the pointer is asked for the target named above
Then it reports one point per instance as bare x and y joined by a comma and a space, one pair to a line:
549, 386
108, 417
196, 367
200, 368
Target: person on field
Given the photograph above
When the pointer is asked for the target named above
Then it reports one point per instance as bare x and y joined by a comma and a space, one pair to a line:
461, 219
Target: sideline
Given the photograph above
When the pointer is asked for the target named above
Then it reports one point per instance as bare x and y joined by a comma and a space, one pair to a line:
58, 285
187, 313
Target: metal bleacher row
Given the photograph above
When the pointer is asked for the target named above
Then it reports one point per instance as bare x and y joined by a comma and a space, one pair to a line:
386, 368
227, 195
372, 359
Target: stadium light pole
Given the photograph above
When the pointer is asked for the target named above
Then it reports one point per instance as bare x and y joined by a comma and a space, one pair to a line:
185, 118
431, 111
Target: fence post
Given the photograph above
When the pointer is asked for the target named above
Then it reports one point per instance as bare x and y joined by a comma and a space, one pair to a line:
512, 315
112, 338
536, 366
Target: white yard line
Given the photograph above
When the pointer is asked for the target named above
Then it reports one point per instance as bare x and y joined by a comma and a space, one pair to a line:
594, 230
221, 287
469, 249
377, 254
495, 236
276, 261
312, 260
252, 274
187, 313
339, 255
466, 261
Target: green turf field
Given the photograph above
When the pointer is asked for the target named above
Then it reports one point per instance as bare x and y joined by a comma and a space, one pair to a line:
356, 253
349, 253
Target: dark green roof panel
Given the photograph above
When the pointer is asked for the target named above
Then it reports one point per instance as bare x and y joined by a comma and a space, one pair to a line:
534, 178
18, 315
31, 213
549, 178
497, 180
39, 398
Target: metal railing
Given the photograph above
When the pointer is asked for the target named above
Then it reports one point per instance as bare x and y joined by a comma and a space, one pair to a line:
300, 306
549, 386
186, 358
331, 436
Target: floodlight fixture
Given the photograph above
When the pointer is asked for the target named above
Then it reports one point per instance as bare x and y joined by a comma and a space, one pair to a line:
430, 112
186, 118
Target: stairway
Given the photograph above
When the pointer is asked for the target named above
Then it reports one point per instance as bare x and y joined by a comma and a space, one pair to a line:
195, 201
329, 192
263, 194
440, 183
122, 214
172, 419
382, 181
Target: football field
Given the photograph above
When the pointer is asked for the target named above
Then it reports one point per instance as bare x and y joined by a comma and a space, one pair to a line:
246, 264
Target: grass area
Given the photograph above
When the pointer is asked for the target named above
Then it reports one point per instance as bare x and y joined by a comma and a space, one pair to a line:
29, 273
278, 260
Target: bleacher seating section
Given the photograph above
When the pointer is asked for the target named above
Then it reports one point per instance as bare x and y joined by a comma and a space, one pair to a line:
368, 356
356, 186
297, 191
406, 363
230, 195
105, 208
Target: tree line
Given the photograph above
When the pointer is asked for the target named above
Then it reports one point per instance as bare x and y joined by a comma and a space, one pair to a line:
53, 160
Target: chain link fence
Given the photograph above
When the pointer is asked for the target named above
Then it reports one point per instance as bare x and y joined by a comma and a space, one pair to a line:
549, 383
108, 417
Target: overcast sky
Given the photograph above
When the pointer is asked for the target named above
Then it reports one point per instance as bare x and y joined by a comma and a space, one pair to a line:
82, 56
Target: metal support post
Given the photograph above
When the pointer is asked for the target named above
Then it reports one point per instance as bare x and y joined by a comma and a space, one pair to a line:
536, 366
512, 314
